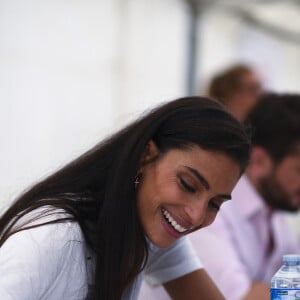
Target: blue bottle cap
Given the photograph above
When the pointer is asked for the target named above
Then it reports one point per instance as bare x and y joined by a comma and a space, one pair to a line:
291, 258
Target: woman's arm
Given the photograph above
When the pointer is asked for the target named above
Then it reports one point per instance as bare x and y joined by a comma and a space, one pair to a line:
193, 286
259, 291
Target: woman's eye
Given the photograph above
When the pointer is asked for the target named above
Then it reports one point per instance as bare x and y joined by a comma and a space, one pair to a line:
214, 205
186, 186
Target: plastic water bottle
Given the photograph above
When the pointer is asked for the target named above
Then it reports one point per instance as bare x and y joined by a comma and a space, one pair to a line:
285, 284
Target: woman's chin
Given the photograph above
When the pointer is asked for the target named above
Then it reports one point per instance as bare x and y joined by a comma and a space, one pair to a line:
161, 242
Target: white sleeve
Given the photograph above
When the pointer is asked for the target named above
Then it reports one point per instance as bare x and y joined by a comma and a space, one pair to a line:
170, 263
43, 263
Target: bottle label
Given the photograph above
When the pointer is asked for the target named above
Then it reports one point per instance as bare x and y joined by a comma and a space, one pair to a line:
285, 294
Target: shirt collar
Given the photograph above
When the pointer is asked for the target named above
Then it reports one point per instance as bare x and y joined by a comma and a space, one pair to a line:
248, 200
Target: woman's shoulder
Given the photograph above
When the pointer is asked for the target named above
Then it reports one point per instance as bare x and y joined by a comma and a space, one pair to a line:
53, 248
43, 228
47, 226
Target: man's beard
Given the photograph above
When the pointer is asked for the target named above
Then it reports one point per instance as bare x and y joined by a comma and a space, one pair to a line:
275, 195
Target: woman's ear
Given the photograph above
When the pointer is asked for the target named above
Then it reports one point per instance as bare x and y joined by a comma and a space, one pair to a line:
150, 153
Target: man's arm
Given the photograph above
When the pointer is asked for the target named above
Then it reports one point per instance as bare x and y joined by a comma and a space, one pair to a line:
194, 286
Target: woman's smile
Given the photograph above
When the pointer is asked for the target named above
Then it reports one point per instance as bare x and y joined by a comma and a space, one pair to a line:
173, 227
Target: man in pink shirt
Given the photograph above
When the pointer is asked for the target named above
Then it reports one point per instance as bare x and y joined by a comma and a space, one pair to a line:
243, 248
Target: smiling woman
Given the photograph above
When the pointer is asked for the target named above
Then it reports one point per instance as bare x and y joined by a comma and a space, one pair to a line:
100, 221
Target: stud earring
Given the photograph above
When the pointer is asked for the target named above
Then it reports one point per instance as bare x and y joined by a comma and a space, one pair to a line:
137, 179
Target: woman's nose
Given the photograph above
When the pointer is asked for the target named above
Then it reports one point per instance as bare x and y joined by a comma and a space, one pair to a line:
196, 212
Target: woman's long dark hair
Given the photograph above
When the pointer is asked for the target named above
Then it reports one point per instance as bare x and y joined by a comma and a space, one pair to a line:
97, 189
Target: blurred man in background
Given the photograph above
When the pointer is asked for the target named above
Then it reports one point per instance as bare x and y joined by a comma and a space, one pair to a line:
238, 88
251, 231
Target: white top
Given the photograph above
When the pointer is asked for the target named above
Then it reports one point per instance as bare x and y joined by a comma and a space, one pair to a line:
52, 262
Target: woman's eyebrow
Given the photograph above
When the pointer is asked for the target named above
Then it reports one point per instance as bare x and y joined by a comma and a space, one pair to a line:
200, 177
224, 196
205, 183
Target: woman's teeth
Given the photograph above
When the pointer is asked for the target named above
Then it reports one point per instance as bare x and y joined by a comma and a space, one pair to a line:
172, 222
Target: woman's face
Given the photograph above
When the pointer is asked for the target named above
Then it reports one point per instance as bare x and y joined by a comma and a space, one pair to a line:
182, 191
